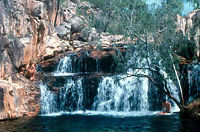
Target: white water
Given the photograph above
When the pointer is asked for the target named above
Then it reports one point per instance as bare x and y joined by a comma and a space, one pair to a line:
194, 79
124, 95
73, 90
48, 100
64, 67
115, 96
175, 93
111, 113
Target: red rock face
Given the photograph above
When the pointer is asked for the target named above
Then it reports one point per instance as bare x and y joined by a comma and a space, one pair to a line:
17, 100
190, 26
23, 33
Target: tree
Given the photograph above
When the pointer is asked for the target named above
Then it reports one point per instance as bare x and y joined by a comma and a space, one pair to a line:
57, 10
59, 2
157, 39
196, 3
159, 54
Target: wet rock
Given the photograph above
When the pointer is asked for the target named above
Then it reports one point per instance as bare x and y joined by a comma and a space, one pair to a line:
1, 99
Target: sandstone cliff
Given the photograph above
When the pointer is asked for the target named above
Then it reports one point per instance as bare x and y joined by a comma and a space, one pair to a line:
28, 31
190, 26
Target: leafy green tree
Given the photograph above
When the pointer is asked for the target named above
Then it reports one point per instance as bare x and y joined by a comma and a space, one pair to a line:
158, 43
196, 3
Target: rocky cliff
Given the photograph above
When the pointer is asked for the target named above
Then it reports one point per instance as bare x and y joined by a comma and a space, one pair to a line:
26, 33
190, 26
33, 30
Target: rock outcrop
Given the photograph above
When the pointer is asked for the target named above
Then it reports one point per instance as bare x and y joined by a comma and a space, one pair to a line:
18, 99
190, 26
26, 33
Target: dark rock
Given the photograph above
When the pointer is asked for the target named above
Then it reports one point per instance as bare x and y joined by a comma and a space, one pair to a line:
90, 86
1, 99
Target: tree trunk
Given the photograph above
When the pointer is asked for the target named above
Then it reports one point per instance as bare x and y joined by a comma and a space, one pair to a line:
179, 83
57, 10
166, 91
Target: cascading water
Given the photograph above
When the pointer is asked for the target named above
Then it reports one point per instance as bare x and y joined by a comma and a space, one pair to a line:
128, 94
175, 93
194, 81
69, 97
117, 93
48, 100
64, 67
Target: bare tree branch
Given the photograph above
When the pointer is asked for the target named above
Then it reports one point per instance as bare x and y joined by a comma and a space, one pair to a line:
164, 89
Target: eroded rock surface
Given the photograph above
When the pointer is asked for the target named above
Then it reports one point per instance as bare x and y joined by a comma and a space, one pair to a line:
190, 25
18, 99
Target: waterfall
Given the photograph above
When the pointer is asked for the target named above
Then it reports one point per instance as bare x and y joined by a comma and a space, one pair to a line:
175, 93
64, 67
194, 81
97, 65
67, 98
71, 95
48, 100
128, 94
117, 93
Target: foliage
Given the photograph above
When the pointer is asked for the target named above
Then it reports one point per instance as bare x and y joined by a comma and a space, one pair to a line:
158, 42
196, 3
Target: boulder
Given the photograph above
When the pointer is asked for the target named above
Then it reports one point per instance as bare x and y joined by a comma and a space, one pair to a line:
77, 24
38, 10
55, 45
63, 31
89, 34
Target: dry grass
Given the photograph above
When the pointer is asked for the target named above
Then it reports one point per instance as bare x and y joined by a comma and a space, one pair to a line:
193, 109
